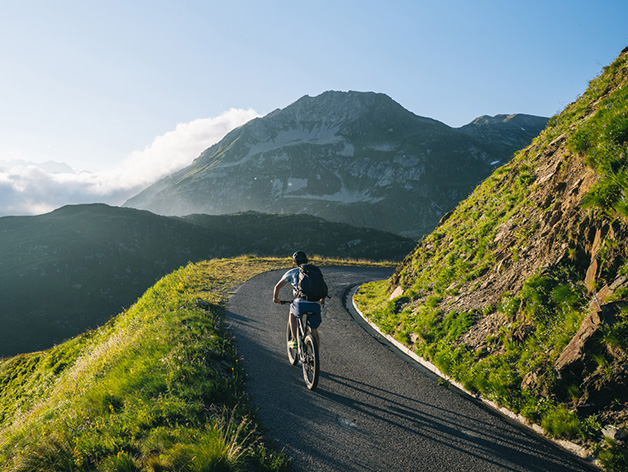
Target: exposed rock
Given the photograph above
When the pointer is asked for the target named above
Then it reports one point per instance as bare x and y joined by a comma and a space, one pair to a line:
528, 220
589, 280
619, 282
614, 433
575, 356
529, 381
486, 326
397, 292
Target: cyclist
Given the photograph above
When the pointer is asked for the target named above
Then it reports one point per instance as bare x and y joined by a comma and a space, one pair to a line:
299, 305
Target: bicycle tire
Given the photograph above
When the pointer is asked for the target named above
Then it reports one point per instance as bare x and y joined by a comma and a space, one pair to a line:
293, 356
311, 365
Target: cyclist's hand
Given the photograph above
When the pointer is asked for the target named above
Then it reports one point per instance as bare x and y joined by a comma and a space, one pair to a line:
276, 300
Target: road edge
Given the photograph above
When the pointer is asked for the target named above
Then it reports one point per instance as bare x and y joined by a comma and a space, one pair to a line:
433, 371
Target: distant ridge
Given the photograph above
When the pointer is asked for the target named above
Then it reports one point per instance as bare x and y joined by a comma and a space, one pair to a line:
70, 270
353, 157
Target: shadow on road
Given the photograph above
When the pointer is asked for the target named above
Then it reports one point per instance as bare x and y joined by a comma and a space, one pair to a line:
505, 447
372, 411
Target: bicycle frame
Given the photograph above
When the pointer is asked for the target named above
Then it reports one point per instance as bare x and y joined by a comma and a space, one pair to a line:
306, 352
303, 329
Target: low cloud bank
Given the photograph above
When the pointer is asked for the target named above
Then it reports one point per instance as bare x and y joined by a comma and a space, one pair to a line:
29, 188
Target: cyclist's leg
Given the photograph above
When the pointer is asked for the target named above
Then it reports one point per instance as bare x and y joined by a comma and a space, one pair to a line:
293, 326
314, 322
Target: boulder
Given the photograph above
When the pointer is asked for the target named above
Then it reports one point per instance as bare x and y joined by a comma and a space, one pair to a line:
614, 433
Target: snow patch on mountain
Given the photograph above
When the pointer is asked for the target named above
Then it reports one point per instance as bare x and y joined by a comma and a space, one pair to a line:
322, 154
342, 196
291, 185
318, 135
383, 147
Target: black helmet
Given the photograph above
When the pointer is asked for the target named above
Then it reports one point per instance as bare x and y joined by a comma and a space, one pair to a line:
299, 257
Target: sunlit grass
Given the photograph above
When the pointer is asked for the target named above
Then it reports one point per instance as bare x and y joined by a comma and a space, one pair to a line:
157, 388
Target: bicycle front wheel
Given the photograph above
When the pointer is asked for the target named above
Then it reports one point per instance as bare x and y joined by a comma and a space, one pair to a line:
311, 368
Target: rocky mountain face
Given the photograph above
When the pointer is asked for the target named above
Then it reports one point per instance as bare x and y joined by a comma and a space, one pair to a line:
72, 269
352, 157
521, 293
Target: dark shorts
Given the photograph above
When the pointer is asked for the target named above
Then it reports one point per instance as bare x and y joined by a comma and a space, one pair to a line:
298, 307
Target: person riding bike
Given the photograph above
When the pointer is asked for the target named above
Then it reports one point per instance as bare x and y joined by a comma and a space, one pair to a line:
299, 305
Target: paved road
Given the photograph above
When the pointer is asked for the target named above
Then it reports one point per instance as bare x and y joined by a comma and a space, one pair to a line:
373, 410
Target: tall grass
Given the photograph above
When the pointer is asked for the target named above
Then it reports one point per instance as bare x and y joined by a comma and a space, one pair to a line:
157, 388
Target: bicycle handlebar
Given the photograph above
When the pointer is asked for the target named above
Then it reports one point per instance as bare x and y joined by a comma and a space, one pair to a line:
287, 302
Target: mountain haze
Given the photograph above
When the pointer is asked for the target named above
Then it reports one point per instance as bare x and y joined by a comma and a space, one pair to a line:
353, 157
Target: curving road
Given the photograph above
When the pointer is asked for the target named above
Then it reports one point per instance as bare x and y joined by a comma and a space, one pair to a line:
374, 410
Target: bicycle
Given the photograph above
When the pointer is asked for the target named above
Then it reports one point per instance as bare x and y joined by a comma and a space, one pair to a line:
306, 352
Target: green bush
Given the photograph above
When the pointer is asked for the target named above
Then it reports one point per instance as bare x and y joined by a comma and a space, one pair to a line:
561, 423
509, 305
614, 458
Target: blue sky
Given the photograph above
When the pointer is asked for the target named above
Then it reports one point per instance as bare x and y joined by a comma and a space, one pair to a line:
102, 85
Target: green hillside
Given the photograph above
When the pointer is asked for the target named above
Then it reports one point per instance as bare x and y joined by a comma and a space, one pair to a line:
72, 269
521, 293
157, 388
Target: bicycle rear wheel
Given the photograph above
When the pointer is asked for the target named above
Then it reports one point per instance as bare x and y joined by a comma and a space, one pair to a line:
292, 353
311, 368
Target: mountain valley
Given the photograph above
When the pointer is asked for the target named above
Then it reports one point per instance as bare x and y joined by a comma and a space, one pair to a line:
518, 293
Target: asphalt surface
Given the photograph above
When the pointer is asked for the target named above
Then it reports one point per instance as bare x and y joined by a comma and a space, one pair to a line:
373, 410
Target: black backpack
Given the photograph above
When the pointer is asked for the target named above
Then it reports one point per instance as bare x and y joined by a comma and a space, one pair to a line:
311, 284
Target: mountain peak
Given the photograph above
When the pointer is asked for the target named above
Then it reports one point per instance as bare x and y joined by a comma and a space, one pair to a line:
353, 157
338, 107
517, 119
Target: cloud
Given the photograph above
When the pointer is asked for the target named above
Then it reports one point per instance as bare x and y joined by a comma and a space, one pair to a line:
176, 149
28, 188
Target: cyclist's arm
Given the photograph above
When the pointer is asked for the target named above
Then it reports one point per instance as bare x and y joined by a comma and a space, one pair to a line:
278, 287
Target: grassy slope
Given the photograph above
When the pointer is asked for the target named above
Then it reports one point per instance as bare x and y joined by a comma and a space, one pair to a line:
157, 388
539, 317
